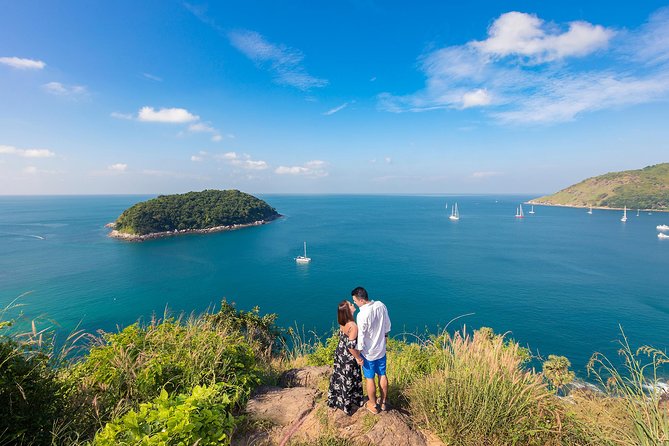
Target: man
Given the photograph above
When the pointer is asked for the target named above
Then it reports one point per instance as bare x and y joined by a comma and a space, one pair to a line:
373, 327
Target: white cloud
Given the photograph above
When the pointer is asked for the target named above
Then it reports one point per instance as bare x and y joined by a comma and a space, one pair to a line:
332, 111
388, 160
30, 170
244, 161
118, 167
26, 153
151, 77
284, 62
22, 64
528, 71
205, 127
313, 169
476, 98
125, 116
526, 35
201, 127
196, 158
167, 115
58, 89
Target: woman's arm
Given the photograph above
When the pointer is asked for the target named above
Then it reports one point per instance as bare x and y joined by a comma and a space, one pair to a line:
352, 334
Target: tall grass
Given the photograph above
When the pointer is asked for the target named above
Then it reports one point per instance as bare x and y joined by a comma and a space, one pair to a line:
635, 391
478, 392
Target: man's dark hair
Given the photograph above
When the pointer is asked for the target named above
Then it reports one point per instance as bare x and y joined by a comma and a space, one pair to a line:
360, 293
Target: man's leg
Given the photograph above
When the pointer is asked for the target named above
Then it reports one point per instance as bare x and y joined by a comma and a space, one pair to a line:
371, 391
383, 385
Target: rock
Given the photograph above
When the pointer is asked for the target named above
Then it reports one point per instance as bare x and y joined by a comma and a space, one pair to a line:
387, 428
305, 377
281, 406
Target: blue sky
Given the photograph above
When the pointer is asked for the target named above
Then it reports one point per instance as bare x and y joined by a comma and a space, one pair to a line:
343, 97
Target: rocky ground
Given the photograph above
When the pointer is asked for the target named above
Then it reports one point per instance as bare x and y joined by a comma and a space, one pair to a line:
296, 412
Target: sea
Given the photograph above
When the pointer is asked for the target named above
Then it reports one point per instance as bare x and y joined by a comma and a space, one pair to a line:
559, 281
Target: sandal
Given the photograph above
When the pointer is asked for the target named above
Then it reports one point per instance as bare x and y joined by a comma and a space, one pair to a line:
372, 409
384, 407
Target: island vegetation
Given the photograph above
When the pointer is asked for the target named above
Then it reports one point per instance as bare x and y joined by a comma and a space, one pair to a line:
646, 188
188, 381
206, 211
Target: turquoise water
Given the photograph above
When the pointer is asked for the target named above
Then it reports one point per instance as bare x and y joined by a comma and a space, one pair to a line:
560, 281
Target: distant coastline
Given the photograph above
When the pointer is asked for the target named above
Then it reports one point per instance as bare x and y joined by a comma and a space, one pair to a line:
156, 235
577, 206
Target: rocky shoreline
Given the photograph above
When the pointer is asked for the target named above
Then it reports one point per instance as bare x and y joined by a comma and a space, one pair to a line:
156, 235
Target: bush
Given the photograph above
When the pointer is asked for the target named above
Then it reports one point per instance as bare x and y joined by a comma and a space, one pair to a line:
323, 353
135, 365
29, 394
202, 417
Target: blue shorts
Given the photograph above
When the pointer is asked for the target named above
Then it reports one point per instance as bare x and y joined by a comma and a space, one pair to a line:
376, 367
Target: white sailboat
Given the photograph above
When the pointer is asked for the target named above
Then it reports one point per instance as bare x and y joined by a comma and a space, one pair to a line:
304, 258
455, 214
532, 211
590, 210
519, 212
637, 212
624, 219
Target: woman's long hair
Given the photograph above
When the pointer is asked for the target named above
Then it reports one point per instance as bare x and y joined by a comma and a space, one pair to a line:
343, 313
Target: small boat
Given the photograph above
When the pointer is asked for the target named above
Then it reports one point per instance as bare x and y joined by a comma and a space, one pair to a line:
663, 227
661, 235
532, 211
590, 210
519, 212
304, 258
624, 219
455, 214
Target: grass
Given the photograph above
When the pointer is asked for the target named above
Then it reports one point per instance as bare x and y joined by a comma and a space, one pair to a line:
646, 421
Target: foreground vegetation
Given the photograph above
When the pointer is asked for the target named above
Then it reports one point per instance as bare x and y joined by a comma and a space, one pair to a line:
186, 380
193, 211
646, 188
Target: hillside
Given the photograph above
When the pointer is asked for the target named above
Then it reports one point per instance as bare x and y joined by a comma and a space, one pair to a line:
646, 188
193, 211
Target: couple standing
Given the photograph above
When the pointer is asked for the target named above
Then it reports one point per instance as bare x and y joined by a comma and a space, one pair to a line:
360, 344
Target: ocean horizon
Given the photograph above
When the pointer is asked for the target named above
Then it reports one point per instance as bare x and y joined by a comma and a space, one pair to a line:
559, 281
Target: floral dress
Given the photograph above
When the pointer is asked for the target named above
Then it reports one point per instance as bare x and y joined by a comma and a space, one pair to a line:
346, 381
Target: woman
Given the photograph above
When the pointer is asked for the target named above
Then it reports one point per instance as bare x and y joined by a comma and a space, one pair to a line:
346, 381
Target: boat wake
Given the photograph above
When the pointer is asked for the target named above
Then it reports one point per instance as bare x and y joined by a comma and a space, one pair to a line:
39, 237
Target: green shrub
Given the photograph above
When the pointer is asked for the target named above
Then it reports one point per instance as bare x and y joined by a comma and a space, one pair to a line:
202, 417
133, 366
323, 353
30, 398
556, 370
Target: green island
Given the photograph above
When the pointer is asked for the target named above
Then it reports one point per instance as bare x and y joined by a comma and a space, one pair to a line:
231, 377
646, 189
192, 212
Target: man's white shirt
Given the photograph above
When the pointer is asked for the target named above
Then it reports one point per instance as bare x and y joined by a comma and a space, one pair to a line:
373, 324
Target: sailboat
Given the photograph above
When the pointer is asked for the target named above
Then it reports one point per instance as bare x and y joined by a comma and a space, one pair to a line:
519, 212
624, 219
304, 258
637, 212
455, 215
590, 210
532, 211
